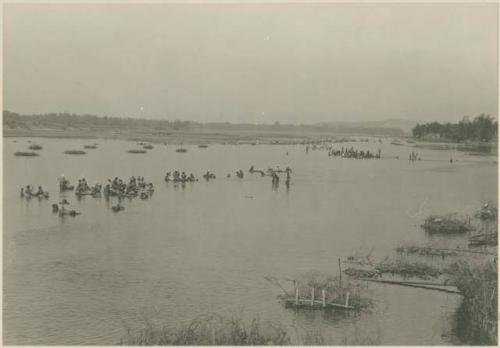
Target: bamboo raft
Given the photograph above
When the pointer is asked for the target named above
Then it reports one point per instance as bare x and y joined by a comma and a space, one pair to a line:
312, 303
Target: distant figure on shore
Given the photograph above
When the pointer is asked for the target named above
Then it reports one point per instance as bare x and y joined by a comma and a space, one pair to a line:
275, 180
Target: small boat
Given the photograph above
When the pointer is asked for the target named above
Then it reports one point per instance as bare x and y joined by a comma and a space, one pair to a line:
202, 146
116, 208
397, 143
148, 146
90, 146
183, 180
65, 187
35, 147
68, 212
74, 152
181, 150
136, 151
26, 154
84, 193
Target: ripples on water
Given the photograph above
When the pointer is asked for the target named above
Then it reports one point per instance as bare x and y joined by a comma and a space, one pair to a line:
207, 246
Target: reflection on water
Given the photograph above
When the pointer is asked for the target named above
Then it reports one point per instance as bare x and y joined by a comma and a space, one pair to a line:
206, 246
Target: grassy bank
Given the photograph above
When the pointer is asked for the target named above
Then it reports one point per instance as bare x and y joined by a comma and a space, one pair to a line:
210, 329
213, 329
476, 318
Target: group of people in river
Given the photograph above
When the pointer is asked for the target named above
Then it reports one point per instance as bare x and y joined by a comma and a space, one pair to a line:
253, 170
276, 178
61, 209
273, 173
180, 177
84, 189
29, 192
239, 174
64, 184
413, 156
135, 187
354, 153
209, 175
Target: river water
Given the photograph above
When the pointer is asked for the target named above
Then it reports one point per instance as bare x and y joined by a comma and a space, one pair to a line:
207, 247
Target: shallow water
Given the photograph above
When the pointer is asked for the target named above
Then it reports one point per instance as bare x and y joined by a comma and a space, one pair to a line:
207, 247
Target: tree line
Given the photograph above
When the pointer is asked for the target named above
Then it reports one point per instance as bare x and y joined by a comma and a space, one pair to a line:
481, 128
65, 121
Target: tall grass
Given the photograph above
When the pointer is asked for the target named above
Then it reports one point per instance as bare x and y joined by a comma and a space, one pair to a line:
210, 329
477, 315
213, 329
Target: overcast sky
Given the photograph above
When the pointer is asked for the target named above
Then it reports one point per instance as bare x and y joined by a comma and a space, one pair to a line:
298, 63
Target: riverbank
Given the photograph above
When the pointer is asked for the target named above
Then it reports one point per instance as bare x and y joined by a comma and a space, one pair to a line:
177, 137
157, 130
475, 322
232, 136
231, 330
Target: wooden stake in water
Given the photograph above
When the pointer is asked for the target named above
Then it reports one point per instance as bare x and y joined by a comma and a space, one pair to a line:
347, 300
312, 297
324, 297
340, 273
296, 295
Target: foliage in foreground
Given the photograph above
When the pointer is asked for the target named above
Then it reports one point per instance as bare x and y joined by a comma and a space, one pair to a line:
210, 329
477, 315
213, 329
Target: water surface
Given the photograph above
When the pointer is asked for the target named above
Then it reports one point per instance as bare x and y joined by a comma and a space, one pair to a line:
207, 246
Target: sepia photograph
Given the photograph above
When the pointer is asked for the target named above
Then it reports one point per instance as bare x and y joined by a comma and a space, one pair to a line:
242, 173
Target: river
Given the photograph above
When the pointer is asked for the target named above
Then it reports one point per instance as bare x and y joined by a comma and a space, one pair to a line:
207, 246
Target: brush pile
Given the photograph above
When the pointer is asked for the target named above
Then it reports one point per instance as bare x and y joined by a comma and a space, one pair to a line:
484, 239
335, 289
487, 212
425, 251
361, 273
445, 224
408, 269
